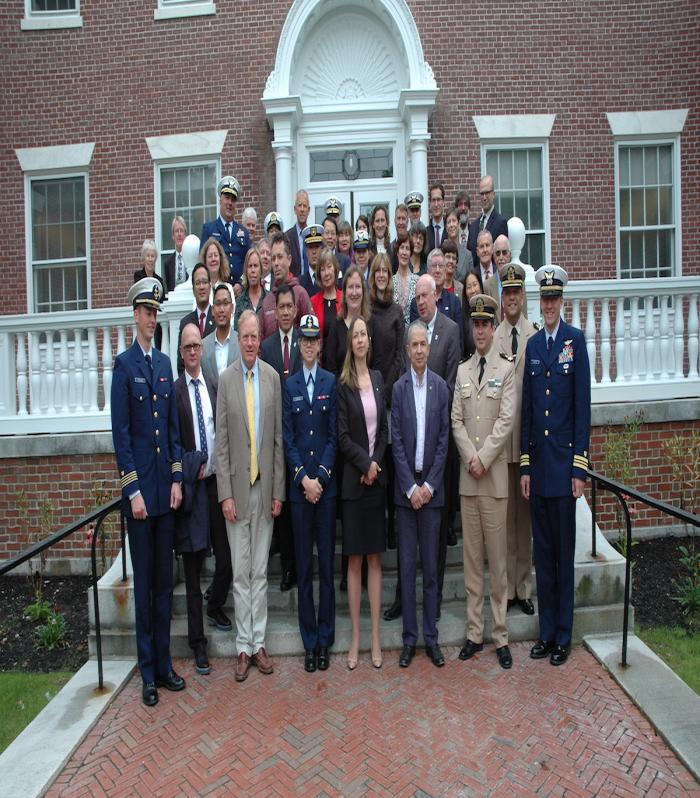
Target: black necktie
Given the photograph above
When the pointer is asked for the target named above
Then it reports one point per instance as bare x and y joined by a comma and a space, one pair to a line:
549, 343
150, 363
200, 419
514, 343
482, 366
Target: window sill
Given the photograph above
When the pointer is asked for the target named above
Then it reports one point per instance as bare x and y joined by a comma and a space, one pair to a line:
185, 10
52, 23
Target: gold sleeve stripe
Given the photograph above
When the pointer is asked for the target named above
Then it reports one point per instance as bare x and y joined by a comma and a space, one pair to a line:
580, 462
524, 459
297, 470
325, 469
176, 466
127, 479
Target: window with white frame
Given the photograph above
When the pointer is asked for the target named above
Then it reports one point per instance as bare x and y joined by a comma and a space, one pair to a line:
515, 152
172, 9
47, 14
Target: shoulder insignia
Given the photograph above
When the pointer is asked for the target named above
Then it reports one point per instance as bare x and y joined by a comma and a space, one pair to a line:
509, 358
464, 359
570, 341
535, 325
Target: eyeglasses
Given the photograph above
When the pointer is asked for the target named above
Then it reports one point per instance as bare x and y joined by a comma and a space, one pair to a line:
200, 283
191, 347
502, 252
486, 193
223, 303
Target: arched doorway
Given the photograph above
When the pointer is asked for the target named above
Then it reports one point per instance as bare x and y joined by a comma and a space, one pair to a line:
349, 101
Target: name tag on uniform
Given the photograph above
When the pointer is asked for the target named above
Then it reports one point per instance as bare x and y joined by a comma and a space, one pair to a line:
494, 382
297, 398
139, 379
534, 362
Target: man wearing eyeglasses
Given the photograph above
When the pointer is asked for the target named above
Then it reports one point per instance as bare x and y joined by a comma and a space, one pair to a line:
221, 349
202, 314
490, 219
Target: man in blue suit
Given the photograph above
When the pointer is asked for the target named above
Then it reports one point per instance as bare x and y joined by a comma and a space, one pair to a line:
234, 238
309, 431
420, 453
556, 421
146, 435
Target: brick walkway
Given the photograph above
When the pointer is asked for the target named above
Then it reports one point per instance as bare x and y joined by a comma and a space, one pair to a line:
466, 729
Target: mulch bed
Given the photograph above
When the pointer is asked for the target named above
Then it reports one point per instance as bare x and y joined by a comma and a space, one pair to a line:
656, 563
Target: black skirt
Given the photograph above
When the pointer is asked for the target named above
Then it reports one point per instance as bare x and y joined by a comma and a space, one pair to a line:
364, 522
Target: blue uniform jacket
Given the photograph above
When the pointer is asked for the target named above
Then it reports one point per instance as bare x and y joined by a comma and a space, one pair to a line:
145, 429
556, 418
309, 431
234, 247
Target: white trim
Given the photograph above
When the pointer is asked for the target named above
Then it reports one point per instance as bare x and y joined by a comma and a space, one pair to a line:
50, 20
60, 157
186, 145
648, 123
178, 9
514, 126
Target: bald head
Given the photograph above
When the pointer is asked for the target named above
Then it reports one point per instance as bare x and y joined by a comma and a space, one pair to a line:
501, 251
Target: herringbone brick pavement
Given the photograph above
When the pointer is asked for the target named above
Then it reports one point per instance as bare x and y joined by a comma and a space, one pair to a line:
468, 729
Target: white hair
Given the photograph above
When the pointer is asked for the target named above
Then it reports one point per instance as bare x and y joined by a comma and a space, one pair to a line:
149, 245
175, 220
249, 214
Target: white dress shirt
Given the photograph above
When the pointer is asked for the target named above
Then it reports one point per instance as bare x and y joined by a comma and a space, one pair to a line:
221, 351
207, 413
420, 395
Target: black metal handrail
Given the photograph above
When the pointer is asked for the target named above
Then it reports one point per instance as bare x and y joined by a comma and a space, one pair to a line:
97, 516
623, 493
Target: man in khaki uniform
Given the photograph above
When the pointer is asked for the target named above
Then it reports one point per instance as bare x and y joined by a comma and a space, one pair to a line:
511, 338
482, 420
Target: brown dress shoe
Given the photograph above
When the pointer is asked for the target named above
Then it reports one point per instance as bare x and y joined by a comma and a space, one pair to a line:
242, 667
263, 662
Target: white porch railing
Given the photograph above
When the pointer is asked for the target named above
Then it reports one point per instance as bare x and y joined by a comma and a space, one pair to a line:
56, 368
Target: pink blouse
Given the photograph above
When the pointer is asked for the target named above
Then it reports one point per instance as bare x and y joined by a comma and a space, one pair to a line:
369, 406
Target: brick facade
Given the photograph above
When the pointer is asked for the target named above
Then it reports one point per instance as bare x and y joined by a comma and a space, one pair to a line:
123, 76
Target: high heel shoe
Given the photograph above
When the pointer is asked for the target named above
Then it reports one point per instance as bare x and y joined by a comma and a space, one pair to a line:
377, 662
352, 663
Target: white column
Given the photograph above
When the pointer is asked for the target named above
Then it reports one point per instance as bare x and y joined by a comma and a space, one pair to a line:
284, 115
283, 175
419, 171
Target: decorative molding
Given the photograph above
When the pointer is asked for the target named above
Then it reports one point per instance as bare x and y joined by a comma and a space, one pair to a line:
58, 157
181, 10
647, 123
186, 145
57, 22
514, 126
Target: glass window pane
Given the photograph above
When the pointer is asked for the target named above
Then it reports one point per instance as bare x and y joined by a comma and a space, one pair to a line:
535, 245
652, 206
521, 208
190, 192
182, 188
625, 247
506, 205
505, 171
535, 168
537, 211
666, 245
666, 164
637, 197
624, 166
636, 166
637, 250
651, 255
625, 207
665, 205
491, 162
651, 172
520, 169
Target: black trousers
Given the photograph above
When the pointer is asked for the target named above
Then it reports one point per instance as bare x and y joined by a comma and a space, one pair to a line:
192, 565
223, 572
282, 532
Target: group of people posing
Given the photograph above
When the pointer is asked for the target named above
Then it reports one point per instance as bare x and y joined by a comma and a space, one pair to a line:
367, 383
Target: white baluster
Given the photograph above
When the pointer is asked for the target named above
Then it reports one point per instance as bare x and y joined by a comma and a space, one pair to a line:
121, 338
92, 369
605, 341
693, 336
50, 373
576, 313
678, 330
665, 341
649, 337
107, 365
620, 340
591, 347
35, 374
165, 342
21, 374
78, 378
634, 338
64, 360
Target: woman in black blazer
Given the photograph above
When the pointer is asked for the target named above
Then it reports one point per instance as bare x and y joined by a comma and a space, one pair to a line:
362, 439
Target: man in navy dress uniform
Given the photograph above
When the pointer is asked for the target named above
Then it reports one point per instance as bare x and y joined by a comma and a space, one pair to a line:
309, 431
146, 436
234, 238
556, 421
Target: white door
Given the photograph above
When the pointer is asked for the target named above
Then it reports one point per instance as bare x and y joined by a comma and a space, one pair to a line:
353, 202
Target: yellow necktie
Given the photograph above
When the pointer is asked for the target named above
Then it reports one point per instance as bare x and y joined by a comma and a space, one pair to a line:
250, 408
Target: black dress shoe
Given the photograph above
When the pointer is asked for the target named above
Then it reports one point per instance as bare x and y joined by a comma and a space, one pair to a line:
171, 682
505, 660
289, 579
559, 655
435, 655
149, 694
526, 606
469, 649
324, 659
393, 612
451, 537
201, 661
407, 654
541, 649
310, 660
219, 619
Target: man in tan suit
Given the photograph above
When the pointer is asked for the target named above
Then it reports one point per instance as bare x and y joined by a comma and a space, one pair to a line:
511, 339
482, 421
250, 480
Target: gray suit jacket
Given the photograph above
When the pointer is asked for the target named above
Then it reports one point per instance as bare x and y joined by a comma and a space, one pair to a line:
233, 439
211, 373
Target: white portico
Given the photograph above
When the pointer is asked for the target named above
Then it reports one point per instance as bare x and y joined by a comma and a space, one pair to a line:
348, 101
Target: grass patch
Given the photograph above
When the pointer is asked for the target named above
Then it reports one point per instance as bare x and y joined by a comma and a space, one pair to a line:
679, 650
22, 697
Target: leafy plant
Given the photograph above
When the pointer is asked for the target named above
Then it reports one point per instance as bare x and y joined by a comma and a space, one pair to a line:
53, 632
617, 465
38, 610
683, 453
688, 588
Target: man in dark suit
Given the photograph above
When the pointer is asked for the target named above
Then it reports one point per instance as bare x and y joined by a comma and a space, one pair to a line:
310, 443
447, 302
233, 237
174, 266
197, 530
436, 225
490, 218
299, 264
146, 437
420, 452
202, 314
281, 351
554, 437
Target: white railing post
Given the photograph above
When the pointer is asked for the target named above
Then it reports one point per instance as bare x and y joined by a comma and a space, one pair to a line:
50, 374
107, 365
78, 379
605, 341
620, 373
92, 369
666, 364
678, 330
8, 374
35, 375
591, 346
22, 374
693, 336
64, 361
121, 339
634, 337
649, 342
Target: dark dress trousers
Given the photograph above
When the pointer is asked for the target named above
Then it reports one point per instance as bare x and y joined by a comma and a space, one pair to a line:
142, 405
419, 529
309, 431
299, 262
554, 438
